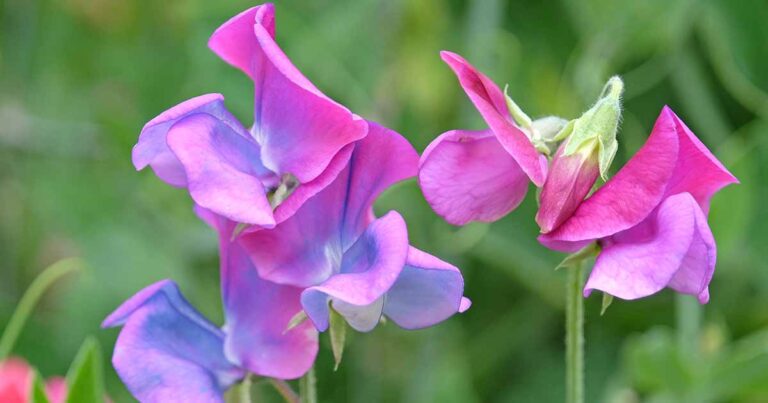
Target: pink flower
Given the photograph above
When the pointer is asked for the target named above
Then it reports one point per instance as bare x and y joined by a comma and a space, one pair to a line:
650, 220
299, 138
480, 175
16, 378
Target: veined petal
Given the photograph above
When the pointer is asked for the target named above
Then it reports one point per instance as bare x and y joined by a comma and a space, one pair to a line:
698, 172
468, 176
368, 270
222, 169
627, 198
257, 315
675, 250
299, 128
152, 148
305, 249
489, 101
427, 292
167, 351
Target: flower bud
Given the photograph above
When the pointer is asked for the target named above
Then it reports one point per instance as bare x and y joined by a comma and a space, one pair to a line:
587, 152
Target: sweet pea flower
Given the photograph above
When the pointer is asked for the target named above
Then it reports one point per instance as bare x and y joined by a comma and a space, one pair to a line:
331, 252
16, 379
300, 138
481, 175
650, 219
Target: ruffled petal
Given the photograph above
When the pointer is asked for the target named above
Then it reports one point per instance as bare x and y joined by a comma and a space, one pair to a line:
152, 148
305, 249
489, 101
167, 351
627, 198
673, 249
698, 172
300, 129
222, 169
468, 176
427, 292
368, 270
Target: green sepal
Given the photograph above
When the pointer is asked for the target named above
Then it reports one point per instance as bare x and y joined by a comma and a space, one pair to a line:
607, 300
239, 228
38, 390
338, 333
85, 377
585, 253
296, 320
520, 117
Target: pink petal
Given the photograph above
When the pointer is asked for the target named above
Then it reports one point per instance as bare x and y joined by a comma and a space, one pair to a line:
15, 380
221, 169
426, 292
468, 176
56, 389
300, 129
673, 249
368, 270
629, 197
489, 101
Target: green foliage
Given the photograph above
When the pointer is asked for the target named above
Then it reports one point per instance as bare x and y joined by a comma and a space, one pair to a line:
38, 390
85, 376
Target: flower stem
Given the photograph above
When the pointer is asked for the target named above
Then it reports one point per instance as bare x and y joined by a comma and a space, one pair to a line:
308, 387
28, 301
285, 390
574, 336
688, 317
245, 389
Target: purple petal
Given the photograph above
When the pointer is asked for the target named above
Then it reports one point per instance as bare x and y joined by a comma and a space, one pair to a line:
306, 248
300, 129
427, 292
152, 148
167, 351
674, 248
221, 169
368, 270
468, 176
698, 172
629, 197
489, 101
257, 314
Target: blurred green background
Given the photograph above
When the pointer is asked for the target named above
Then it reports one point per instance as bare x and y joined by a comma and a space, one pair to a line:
79, 78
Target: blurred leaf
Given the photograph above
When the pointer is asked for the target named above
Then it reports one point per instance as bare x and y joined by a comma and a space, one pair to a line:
85, 377
38, 390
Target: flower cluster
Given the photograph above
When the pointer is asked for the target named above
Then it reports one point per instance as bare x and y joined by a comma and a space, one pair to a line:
291, 199
16, 383
649, 221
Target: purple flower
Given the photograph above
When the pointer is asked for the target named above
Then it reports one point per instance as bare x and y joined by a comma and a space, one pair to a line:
650, 220
299, 136
480, 175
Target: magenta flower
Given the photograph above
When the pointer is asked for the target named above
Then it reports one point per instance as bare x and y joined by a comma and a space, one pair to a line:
299, 137
16, 378
331, 252
480, 175
650, 220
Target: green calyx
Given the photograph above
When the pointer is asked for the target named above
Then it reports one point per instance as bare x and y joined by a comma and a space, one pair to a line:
595, 131
540, 131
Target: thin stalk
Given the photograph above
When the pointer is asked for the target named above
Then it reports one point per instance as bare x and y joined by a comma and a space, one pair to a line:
574, 336
285, 390
308, 387
28, 301
688, 317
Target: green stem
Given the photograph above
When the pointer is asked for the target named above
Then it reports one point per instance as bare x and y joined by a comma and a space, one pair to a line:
245, 389
574, 336
308, 387
28, 301
285, 390
688, 317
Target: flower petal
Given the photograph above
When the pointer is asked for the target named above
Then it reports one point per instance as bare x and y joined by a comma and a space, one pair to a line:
627, 198
674, 248
299, 128
698, 172
427, 292
152, 148
167, 351
468, 176
368, 270
16, 378
305, 249
489, 101
221, 169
